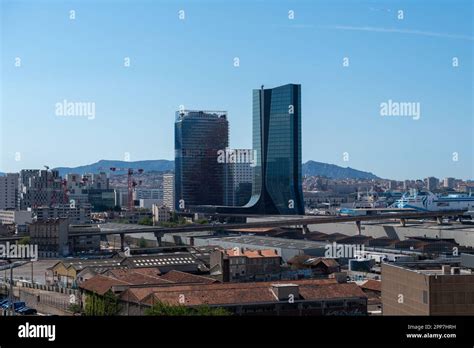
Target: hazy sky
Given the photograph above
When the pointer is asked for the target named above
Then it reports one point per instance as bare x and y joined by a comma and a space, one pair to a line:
190, 62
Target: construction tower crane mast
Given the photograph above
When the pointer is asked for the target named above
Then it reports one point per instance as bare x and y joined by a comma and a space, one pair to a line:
52, 185
130, 182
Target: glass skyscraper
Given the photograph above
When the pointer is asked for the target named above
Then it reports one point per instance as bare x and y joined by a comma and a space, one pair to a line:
199, 178
276, 187
277, 140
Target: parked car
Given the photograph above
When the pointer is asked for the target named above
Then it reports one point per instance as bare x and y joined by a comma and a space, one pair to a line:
26, 310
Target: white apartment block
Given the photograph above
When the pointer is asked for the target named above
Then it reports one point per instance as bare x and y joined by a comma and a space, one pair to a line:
241, 173
168, 191
17, 217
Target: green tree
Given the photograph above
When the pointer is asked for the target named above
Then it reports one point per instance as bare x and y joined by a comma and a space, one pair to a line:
168, 224
24, 240
74, 308
145, 221
142, 243
174, 217
105, 305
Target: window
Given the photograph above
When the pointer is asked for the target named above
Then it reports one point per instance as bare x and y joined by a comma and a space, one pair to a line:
425, 297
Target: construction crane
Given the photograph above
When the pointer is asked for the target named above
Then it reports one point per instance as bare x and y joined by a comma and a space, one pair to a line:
130, 182
65, 191
51, 187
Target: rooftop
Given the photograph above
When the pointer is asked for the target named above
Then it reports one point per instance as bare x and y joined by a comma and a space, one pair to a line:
434, 267
252, 253
249, 293
371, 284
268, 242
147, 278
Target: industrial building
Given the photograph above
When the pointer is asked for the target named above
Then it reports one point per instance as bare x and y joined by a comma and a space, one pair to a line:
295, 298
427, 288
77, 214
51, 236
236, 265
286, 248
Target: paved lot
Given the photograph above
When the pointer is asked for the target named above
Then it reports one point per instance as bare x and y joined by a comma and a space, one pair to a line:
24, 271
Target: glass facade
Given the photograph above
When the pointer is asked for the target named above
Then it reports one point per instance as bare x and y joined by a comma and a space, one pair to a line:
199, 178
277, 180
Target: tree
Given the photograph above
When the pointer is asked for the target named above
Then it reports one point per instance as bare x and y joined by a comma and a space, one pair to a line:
168, 224
174, 217
146, 221
74, 308
142, 243
101, 305
164, 309
24, 240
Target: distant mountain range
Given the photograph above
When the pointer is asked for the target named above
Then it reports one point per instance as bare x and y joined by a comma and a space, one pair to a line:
310, 168
105, 165
313, 168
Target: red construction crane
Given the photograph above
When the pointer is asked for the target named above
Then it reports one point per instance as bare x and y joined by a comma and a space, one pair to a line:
130, 182
65, 191
52, 187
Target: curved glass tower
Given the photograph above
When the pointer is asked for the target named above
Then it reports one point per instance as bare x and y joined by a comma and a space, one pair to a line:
277, 141
277, 179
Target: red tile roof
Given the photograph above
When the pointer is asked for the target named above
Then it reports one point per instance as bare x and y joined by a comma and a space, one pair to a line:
328, 262
183, 277
131, 276
138, 294
149, 271
241, 293
100, 284
371, 284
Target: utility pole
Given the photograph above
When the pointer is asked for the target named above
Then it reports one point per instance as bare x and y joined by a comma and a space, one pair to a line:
11, 288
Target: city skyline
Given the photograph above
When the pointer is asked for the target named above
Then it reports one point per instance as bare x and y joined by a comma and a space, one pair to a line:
83, 60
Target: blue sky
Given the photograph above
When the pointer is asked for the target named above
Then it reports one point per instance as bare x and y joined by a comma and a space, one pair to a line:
191, 62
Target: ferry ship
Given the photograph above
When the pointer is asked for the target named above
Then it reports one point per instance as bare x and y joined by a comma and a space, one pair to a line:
428, 201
